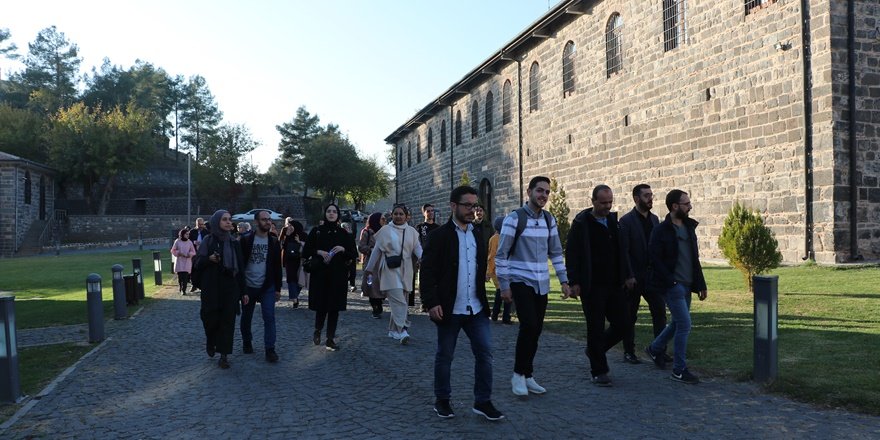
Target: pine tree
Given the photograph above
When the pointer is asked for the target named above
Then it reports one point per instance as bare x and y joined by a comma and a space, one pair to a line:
465, 179
559, 209
748, 244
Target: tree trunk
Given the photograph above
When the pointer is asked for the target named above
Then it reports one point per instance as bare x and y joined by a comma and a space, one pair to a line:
105, 195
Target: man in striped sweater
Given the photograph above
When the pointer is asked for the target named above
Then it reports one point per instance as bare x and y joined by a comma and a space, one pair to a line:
523, 275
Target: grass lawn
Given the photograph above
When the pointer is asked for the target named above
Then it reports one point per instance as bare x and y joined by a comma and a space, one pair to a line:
51, 290
829, 332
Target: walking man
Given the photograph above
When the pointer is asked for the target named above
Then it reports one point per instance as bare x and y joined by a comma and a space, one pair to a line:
454, 291
262, 274
424, 228
595, 268
676, 272
635, 231
528, 238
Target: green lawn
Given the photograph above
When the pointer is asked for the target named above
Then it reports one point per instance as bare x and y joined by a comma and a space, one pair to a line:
829, 332
51, 290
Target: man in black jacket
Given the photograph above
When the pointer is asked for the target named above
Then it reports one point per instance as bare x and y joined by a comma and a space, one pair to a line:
262, 273
594, 263
635, 231
676, 272
452, 287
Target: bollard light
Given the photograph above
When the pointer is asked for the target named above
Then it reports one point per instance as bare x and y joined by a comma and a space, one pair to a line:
766, 290
95, 308
136, 269
157, 267
10, 385
119, 302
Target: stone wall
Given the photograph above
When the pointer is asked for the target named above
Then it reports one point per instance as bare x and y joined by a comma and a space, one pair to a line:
721, 117
16, 213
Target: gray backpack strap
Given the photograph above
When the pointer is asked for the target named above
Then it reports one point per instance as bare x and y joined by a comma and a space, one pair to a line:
521, 219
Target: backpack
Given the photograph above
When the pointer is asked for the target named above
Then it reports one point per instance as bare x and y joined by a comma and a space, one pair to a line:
521, 219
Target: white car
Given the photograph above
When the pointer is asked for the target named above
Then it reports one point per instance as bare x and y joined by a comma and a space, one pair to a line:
249, 216
352, 215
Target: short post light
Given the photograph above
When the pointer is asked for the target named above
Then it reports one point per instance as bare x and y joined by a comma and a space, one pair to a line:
10, 385
157, 267
766, 324
136, 269
95, 308
119, 310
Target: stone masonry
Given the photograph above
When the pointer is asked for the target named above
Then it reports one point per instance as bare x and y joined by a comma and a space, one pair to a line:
23, 185
721, 116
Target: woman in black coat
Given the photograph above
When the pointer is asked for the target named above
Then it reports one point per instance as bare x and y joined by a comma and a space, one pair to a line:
292, 238
334, 249
220, 265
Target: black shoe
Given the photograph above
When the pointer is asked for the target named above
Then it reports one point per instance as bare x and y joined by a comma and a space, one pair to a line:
601, 380
487, 410
223, 362
271, 356
659, 360
316, 337
631, 358
377, 315
494, 316
331, 345
296, 304
443, 409
684, 376
248, 348
211, 350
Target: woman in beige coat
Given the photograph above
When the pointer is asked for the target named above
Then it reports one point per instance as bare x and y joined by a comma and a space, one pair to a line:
397, 238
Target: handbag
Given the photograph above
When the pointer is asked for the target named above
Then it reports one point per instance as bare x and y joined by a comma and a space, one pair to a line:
313, 264
394, 261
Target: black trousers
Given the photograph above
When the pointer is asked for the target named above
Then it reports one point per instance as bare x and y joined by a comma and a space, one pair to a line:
658, 314
530, 310
332, 319
182, 280
600, 303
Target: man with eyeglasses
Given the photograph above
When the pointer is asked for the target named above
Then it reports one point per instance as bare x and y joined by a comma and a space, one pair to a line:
453, 289
523, 276
262, 272
676, 273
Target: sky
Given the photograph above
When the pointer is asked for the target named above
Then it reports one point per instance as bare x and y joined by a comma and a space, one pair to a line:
365, 65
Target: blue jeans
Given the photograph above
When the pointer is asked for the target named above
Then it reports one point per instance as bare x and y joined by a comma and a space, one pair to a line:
294, 289
479, 332
267, 306
678, 299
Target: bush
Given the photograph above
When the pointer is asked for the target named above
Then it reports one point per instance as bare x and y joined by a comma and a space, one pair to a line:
559, 209
748, 244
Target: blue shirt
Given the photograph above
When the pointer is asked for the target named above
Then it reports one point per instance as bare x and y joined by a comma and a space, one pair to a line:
466, 302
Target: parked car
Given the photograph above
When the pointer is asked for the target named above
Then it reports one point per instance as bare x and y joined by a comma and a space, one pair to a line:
349, 215
249, 216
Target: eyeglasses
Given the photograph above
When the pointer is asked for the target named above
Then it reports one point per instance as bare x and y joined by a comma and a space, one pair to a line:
468, 206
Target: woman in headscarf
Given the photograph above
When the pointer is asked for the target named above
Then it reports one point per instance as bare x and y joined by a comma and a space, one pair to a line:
183, 251
401, 239
221, 265
370, 287
292, 238
334, 251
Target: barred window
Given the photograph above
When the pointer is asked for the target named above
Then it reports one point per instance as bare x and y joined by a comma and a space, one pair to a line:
443, 136
754, 5
458, 127
27, 188
568, 69
490, 105
613, 51
475, 120
506, 98
418, 149
430, 142
533, 87
408, 154
674, 24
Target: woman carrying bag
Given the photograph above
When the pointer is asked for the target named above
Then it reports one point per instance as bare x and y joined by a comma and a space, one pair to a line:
392, 257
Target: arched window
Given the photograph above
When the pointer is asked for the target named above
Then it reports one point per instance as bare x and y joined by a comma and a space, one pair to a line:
613, 51
408, 154
443, 136
27, 187
400, 159
533, 87
490, 107
430, 141
418, 149
674, 27
458, 127
475, 119
506, 102
568, 69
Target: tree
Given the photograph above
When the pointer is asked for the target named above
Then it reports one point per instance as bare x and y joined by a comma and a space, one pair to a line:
286, 179
199, 116
147, 87
20, 131
7, 49
52, 66
748, 244
369, 183
465, 179
295, 136
224, 150
93, 147
559, 209
327, 163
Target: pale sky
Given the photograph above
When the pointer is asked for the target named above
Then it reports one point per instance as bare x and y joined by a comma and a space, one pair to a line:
366, 65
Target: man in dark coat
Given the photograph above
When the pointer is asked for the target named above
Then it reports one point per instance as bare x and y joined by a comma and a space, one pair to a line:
262, 272
453, 289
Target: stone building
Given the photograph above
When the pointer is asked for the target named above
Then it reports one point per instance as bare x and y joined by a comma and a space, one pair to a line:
773, 103
27, 194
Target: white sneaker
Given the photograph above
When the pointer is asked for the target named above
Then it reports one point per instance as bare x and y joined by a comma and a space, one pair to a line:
393, 335
533, 386
404, 338
518, 382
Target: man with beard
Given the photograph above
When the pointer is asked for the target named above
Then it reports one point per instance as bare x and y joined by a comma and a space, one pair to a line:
262, 272
529, 237
676, 272
635, 231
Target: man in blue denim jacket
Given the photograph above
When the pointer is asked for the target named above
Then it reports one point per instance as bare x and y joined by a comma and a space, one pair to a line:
676, 272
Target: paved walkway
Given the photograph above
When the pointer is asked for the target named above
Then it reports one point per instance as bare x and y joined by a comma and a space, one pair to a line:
152, 379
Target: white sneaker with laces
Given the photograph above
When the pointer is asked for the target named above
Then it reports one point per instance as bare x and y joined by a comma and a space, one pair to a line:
518, 383
533, 386
404, 337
